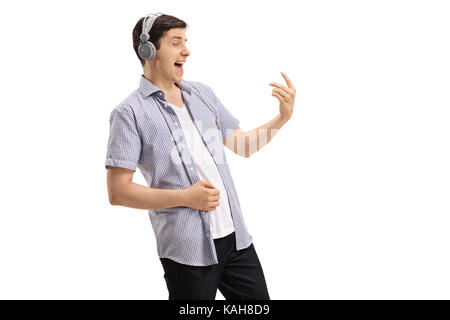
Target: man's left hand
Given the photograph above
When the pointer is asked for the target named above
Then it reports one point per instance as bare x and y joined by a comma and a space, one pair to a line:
286, 95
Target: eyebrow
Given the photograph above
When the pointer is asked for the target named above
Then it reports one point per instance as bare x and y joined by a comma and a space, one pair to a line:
178, 37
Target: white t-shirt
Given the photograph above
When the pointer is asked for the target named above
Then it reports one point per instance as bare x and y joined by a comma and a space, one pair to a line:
221, 220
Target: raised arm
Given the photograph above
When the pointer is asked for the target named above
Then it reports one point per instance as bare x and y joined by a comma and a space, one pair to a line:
246, 143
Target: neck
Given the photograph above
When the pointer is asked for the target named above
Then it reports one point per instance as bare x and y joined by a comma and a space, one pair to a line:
161, 83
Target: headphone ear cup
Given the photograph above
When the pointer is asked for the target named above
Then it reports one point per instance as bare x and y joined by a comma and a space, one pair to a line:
147, 50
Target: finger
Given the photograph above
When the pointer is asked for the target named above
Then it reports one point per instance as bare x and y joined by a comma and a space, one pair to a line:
214, 198
278, 96
282, 93
281, 87
210, 209
209, 185
288, 81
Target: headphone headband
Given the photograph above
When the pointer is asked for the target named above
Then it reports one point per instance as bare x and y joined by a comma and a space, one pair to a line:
146, 48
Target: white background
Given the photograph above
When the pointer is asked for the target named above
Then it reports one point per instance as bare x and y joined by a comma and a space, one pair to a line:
350, 200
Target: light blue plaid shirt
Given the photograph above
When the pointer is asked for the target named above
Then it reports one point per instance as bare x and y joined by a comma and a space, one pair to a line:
145, 132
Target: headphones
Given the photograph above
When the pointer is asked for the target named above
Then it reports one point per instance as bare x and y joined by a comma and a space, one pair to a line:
147, 51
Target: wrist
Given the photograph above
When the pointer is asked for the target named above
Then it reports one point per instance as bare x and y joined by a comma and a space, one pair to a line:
184, 197
284, 117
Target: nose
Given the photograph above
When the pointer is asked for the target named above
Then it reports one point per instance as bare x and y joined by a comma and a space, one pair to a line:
186, 51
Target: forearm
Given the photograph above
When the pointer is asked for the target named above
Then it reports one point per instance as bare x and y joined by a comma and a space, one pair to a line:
137, 196
253, 140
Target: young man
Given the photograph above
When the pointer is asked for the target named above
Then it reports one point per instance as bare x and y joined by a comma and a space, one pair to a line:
165, 128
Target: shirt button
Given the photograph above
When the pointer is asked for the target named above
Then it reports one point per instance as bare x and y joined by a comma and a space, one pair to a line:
207, 234
176, 123
192, 168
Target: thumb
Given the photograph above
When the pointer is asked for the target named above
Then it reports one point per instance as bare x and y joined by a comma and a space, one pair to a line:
207, 184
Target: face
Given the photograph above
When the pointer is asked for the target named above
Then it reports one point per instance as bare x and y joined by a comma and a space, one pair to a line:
172, 49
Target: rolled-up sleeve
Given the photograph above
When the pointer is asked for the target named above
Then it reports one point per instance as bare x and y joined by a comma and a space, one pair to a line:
124, 142
228, 122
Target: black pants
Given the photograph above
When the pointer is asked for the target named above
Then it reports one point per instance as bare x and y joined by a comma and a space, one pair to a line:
238, 275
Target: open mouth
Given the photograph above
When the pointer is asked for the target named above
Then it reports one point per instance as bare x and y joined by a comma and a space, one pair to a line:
179, 67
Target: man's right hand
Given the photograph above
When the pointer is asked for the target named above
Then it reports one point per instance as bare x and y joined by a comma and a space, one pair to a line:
202, 195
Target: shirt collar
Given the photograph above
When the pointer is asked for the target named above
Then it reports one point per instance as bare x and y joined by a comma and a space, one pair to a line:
147, 88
